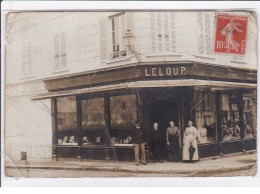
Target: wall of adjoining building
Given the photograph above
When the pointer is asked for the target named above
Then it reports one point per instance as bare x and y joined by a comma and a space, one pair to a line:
28, 129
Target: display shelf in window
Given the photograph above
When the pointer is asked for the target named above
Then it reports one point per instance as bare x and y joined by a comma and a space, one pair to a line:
249, 133
68, 141
99, 139
230, 132
121, 141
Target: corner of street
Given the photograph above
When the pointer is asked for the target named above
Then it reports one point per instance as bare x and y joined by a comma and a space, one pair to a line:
241, 164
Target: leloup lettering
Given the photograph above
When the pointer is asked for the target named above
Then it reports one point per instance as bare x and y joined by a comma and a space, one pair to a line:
168, 71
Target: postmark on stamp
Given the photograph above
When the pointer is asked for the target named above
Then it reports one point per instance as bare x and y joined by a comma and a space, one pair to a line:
230, 34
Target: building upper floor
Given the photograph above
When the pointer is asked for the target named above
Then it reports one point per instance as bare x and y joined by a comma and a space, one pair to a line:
42, 45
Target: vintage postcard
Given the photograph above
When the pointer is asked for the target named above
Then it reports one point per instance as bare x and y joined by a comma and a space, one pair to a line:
121, 93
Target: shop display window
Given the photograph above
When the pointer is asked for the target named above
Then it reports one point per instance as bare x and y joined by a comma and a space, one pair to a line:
249, 114
123, 116
93, 114
205, 116
230, 128
67, 121
93, 122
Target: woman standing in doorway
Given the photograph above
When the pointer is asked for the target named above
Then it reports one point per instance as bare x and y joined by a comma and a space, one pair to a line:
190, 147
173, 139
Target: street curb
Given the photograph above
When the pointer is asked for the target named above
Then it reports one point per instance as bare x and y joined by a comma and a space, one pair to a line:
136, 170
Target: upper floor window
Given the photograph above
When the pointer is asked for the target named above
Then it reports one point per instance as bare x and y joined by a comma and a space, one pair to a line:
112, 30
26, 59
118, 31
60, 51
163, 37
205, 35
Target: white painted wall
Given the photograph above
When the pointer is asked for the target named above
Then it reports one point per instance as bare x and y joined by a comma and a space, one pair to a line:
83, 42
28, 129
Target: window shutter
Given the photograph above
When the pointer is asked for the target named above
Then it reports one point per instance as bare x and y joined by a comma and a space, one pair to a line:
166, 28
62, 41
103, 39
201, 44
208, 34
56, 43
63, 49
153, 39
159, 30
26, 59
166, 31
200, 21
24, 67
24, 51
208, 44
23, 59
123, 31
173, 37
130, 21
207, 23
201, 35
29, 67
56, 52
29, 59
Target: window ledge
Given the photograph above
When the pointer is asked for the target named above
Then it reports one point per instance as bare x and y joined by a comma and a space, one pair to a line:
164, 55
27, 77
127, 58
60, 71
239, 62
204, 57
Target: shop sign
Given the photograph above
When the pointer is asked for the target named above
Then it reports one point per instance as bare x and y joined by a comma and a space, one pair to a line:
231, 34
164, 71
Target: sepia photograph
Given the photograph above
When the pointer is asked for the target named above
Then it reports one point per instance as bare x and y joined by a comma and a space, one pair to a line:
130, 93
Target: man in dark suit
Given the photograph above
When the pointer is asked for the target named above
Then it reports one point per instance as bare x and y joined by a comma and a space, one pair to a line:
139, 143
156, 142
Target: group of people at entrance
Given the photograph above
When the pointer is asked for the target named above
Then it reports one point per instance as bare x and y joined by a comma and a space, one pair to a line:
173, 141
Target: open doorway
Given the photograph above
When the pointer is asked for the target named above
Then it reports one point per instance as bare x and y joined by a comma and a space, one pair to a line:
163, 111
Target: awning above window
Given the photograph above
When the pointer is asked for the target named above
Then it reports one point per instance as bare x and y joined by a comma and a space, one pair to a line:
214, 85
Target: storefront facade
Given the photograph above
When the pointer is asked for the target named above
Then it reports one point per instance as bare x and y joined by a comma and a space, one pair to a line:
77, 92
95, 118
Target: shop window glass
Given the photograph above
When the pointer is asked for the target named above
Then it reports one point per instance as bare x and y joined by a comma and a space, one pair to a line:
230, 128
205, 117
67, 121
93, 122
249, 114
123, 116
93, 114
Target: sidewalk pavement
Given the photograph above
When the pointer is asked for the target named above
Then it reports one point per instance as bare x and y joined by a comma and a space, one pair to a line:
228, 163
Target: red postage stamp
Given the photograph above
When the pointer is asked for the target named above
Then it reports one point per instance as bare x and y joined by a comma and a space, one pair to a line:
231, 34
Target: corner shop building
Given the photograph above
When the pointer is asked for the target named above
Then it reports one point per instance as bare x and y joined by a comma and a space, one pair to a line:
100, 106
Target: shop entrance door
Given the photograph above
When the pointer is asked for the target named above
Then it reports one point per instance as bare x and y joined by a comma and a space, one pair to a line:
164, 111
